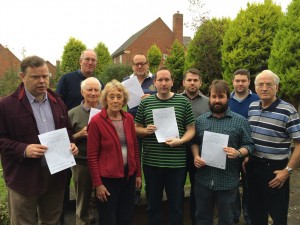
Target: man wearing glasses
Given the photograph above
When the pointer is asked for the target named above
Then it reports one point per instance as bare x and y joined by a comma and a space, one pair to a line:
274, 124
69, 90
140, 67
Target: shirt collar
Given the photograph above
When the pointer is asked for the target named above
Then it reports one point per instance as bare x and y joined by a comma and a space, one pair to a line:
232, 95
272, 106
200, 95
87, 109
32, 99
149, 75
228, 113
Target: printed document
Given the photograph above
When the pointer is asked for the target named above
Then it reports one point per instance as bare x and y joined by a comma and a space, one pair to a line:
58, 155
135, 91
212, 149
165, 121
93, 112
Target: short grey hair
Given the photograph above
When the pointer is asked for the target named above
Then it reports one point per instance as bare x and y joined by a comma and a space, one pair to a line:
267, 72
83, 83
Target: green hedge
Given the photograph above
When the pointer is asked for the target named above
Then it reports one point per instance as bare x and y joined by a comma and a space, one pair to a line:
4, 219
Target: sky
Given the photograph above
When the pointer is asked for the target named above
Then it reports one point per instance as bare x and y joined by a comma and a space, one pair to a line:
43, 27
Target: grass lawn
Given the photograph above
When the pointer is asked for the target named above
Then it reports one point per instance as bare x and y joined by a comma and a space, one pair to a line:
3, 200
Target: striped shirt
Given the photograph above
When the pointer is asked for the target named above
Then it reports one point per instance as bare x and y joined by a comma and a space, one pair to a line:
42, 113
160, 154
273, 129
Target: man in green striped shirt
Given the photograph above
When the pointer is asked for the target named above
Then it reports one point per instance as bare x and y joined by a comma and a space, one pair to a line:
164, 163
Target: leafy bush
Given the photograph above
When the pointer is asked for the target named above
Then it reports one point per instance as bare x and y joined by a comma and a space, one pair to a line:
115, 71
4, 218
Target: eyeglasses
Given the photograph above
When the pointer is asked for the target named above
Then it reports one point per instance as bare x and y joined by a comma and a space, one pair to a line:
140, 64
268, 85
90, 59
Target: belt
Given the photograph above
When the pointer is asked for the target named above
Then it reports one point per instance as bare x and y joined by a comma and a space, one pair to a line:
264, 160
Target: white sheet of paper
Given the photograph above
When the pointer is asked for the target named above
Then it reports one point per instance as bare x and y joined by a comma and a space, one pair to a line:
165, 121
58, 154
212, 149
135, 91
93, 112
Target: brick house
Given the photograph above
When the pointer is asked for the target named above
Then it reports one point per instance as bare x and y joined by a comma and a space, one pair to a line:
8, 61
157, 33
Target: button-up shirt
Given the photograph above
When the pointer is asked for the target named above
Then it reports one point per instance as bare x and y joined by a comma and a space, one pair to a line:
238, 129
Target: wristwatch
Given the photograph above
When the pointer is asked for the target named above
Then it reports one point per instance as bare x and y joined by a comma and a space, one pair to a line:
289, 169
240, 154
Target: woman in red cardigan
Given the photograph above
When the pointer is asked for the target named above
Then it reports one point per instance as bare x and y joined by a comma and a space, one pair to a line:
113, 157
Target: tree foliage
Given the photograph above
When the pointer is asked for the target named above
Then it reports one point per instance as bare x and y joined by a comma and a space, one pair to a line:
247, 41
175, 62
204, 51
115, 71
103, 59
9, 82
71, 55
154, 56
285, 53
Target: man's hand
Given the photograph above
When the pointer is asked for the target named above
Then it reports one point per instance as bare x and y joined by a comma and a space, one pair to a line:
278, 181
198, 162
74, 149
173, 142
35, 151
81, 134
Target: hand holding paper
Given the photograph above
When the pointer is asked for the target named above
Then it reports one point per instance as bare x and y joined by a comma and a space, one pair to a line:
59, 154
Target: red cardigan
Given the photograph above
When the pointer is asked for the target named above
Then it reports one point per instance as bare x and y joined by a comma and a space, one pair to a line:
104, 148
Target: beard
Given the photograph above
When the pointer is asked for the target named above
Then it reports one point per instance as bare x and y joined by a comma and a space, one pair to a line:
218, 108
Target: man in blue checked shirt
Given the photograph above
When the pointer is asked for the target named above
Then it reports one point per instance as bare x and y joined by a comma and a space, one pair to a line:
215, 186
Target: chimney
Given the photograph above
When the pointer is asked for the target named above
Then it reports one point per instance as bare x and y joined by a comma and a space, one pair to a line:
178, 27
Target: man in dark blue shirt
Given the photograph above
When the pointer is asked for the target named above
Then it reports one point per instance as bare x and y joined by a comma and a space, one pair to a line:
239, 102
69, 85
69, 90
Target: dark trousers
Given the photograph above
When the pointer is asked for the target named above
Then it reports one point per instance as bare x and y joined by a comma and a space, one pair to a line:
172, 181
119, 209
191, 170
207, 199
263, 200
239, 205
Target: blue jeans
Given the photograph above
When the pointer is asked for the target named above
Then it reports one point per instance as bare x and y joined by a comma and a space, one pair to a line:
207, 199
172, 180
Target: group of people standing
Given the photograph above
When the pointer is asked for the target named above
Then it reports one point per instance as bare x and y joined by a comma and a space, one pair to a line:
110, 147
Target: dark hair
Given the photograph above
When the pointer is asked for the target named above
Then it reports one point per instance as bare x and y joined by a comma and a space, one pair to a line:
162, 68
193, 71
220, 86
31, 61
241, 72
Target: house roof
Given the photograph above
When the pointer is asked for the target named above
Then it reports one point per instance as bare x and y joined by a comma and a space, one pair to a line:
127, 43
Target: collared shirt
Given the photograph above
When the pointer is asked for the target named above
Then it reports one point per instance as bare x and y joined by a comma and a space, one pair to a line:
199, 103
241, 106
273, 129
42, 113
238, 129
